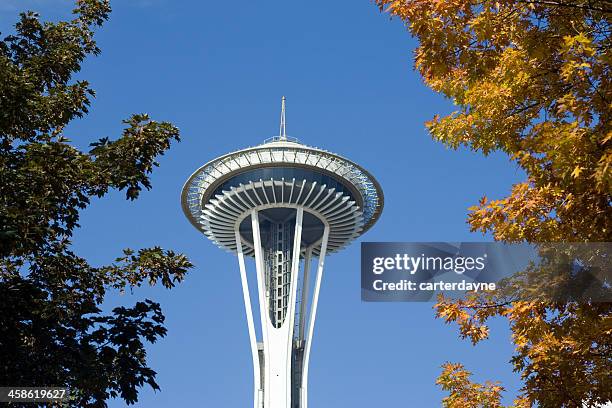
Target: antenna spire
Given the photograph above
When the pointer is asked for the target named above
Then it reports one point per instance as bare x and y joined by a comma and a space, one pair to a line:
283, 130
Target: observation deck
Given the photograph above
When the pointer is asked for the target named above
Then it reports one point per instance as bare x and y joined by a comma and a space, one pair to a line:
282, 173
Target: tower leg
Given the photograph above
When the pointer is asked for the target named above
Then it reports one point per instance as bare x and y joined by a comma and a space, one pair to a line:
312, 317
251, 326
261, 291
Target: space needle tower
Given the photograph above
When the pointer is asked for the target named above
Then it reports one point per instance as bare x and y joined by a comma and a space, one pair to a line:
286, 205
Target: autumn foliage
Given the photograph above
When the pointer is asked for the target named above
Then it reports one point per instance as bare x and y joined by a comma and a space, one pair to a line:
464, 393
531, 79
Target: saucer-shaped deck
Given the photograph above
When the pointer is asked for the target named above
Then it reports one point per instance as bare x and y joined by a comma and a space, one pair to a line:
275, 178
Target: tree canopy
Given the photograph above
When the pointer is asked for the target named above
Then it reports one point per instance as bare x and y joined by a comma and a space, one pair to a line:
52, 330
531, 79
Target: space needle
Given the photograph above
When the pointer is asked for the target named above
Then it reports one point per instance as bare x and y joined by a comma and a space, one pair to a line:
285, 204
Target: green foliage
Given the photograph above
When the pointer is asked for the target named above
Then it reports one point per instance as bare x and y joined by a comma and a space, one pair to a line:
52, 331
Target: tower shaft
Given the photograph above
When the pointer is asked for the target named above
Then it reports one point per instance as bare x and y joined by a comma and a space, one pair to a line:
280, 360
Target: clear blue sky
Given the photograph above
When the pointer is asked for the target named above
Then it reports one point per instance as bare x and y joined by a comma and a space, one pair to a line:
217, 70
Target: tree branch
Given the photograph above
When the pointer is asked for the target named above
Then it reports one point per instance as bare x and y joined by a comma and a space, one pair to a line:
568, 5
